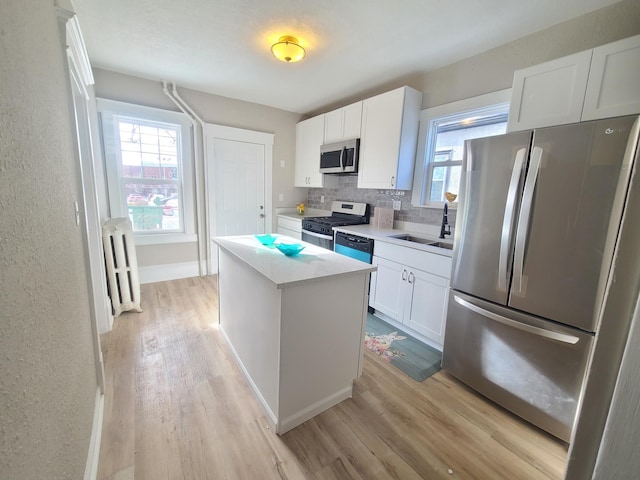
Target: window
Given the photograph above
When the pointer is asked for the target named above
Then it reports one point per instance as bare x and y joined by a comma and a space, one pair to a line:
148, 163
443, 131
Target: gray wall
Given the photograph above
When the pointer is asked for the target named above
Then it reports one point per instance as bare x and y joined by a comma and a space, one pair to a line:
47, 375
217, 110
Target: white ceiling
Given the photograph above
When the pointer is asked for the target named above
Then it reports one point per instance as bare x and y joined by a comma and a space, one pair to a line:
223, 47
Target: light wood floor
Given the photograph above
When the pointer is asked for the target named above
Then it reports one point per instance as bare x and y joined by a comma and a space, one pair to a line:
178, 407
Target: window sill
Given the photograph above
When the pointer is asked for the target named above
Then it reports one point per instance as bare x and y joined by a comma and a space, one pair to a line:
438, 205
165, 238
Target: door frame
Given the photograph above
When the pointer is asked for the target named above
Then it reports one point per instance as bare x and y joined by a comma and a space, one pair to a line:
222, 132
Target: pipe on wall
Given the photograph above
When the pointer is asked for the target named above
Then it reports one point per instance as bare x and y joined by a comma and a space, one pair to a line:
198, 126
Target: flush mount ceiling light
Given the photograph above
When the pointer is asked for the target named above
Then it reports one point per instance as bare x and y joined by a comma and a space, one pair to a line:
288, 49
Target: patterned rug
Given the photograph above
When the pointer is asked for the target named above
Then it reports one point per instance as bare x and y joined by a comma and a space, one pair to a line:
412, 357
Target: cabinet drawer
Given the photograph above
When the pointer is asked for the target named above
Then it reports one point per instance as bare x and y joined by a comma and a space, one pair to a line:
290, 223
425, 261
290, 233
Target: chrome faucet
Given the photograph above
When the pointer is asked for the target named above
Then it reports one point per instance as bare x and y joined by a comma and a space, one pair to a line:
445, 229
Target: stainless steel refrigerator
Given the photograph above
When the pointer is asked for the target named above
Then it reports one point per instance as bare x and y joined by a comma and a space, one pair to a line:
537, 226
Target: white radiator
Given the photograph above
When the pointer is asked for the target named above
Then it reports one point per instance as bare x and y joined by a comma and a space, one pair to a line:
122, 265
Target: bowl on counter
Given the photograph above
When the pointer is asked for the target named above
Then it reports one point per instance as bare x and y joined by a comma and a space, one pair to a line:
266, 239
290, 249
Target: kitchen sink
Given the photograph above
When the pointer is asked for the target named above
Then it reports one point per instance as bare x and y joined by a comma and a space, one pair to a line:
425, 241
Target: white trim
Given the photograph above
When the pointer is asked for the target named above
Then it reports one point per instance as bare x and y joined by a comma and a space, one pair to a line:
168, 271
302, 416
107, 109
91, 467
271, 417
164, 238
78, 51
420, 181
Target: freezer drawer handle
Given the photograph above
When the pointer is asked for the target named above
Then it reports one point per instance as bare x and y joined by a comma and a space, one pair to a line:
561, 337
525, 214
507, 222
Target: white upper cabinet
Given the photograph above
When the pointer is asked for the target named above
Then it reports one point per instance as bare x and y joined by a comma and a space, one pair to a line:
613, 88
551, 93
343, 123
309, 138
599, 83
388, 139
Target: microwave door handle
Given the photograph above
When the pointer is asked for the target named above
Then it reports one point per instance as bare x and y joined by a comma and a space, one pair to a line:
509, 216
523, 222
342, 152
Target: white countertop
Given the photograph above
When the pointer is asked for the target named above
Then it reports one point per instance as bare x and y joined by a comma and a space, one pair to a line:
310, 264
387, 235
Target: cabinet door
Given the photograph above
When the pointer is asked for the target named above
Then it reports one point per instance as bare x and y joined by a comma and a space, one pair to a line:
343, 123
352, 120
333, 126
387, 287
289, 233
551, 93
425, 307
614, 80
309, 137
380, 143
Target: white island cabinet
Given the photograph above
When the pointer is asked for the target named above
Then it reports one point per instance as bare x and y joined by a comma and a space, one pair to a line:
295, 325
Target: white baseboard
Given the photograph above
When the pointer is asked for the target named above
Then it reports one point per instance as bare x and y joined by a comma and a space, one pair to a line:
91, 468
303, 415
272, 420
168, 271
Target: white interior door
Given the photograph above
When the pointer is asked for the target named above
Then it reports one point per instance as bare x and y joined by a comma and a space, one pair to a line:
238, 184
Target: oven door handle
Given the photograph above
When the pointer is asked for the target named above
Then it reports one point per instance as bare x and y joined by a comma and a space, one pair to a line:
319, 235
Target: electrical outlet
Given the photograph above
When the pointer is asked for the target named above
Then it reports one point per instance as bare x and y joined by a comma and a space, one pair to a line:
281, 197
397, 204
321, 198
281, 163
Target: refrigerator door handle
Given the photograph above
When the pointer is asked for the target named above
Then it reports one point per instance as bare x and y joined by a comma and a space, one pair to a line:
509, 215
560, 337
523, 221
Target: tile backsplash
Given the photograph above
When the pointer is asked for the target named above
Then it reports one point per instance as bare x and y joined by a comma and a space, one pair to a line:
347, 190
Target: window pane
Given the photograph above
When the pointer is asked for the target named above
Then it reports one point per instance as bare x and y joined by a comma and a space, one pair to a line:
153, 207
444, 179
451, 133
151, 149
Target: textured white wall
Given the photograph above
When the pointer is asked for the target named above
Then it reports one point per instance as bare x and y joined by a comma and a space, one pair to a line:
47, 374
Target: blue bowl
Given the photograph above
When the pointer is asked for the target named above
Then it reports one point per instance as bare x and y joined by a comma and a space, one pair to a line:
266, 239
290, 249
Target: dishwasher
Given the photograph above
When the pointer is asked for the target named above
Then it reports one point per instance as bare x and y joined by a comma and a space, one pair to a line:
360, 248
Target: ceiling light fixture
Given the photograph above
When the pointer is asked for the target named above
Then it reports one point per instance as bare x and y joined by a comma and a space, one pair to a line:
288, 49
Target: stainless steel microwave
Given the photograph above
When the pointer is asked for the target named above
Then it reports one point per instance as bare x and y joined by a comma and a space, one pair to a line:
341, 157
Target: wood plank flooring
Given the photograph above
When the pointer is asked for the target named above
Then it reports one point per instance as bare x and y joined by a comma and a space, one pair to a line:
178, 407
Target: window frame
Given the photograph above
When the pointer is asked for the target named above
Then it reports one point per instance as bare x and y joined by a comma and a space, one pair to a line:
108, 110
427, 139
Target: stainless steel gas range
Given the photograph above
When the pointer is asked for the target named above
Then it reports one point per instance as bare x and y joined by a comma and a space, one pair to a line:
319, 230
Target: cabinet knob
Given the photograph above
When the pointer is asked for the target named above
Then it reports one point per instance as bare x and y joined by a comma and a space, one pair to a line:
412, 277
262, 215
393, 181
404, 275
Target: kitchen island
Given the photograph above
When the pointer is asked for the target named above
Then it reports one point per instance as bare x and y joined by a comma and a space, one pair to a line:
295, 325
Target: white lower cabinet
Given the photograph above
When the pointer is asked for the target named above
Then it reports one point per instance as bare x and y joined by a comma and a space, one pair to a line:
291, 227
415, 297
